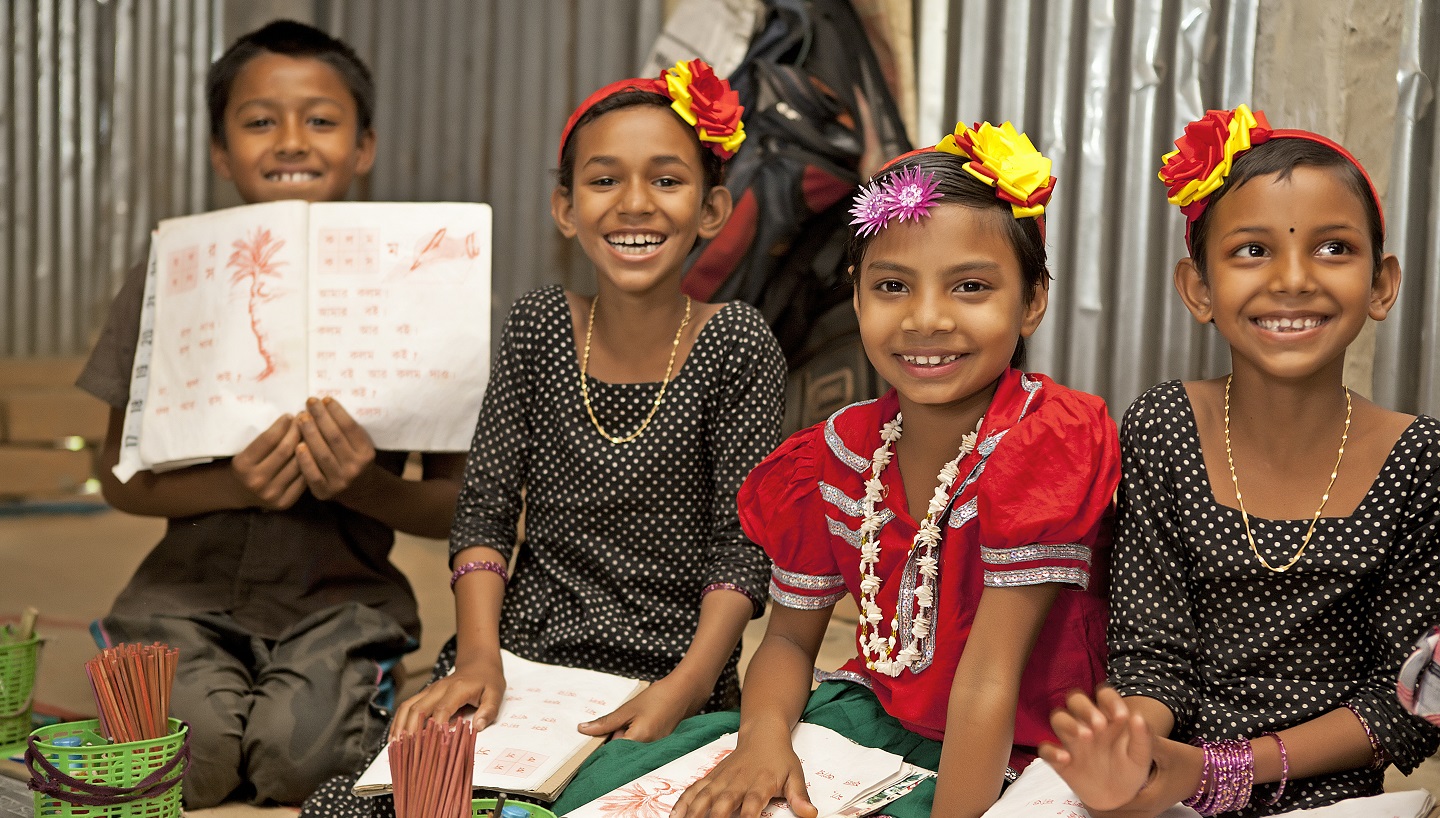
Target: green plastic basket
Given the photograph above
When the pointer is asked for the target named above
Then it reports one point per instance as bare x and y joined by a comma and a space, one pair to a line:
485, 805
123, 767
18, 661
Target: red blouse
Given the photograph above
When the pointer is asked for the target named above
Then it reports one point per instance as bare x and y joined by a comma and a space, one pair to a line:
1034, 505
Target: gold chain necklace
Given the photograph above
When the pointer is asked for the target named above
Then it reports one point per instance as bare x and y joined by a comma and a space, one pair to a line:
585, 365
1325, 498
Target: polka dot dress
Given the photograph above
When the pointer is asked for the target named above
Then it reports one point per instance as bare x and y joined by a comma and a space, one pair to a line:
621, 540
1236, 650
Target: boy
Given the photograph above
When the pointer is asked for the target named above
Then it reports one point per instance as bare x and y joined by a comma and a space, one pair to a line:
273, 578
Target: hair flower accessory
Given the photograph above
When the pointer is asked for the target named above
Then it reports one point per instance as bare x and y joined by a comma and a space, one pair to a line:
910, 193
708, 103
1204, 153
1007, 160
905, 195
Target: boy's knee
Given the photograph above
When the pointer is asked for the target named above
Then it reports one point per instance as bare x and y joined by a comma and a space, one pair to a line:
291, 747
214, 740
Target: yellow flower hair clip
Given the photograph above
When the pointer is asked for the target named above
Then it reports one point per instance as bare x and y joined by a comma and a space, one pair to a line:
1005, 159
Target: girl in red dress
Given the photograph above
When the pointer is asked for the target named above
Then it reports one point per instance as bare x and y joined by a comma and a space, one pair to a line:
978, 589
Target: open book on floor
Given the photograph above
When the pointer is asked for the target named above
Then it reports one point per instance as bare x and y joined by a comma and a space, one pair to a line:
1039, 792
842, 777
532, 748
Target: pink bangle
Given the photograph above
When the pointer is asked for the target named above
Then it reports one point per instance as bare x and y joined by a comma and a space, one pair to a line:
1284, 771
1226, 778
1378, 756
479, 566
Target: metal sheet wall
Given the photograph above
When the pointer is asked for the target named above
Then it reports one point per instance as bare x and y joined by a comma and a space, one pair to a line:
1102, 88
1407, 364
472, 97
102, 132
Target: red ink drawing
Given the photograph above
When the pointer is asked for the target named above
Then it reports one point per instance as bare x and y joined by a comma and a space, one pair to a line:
440, 248
254, 264
642, 799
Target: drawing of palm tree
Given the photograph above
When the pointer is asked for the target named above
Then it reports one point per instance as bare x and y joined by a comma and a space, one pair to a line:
253, 264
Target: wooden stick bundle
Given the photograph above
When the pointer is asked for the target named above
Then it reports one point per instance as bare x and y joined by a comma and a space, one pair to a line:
431, 770
132, 686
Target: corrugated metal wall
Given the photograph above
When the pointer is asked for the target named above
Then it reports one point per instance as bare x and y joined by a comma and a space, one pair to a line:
1407, 365
101, 133
1102, 88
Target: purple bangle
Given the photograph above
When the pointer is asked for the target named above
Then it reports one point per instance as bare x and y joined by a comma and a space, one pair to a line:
1378, 756
479, 566
1226, 777
1284, 771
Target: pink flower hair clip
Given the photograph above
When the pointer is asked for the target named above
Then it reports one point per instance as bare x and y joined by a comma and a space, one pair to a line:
906, 195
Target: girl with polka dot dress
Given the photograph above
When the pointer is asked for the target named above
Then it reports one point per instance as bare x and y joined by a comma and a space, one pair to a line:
622, 425
979, 606
1276, 553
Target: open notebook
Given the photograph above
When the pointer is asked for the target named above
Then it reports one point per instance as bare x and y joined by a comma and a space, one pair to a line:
1040, 793
248, 311
532, 748
842, 777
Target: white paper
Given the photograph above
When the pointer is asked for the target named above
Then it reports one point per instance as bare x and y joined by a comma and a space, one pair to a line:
1041, 793
250, 310
534, 733
838, 774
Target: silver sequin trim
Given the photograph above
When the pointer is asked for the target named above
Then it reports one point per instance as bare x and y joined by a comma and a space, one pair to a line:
1036, 551
800, 602
1029, 386
987, 446
1037, 576
837, 446
843, 531
840, 500
967, 511
843, 676
810, 582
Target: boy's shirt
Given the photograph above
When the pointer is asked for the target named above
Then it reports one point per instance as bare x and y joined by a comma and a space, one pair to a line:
267, 569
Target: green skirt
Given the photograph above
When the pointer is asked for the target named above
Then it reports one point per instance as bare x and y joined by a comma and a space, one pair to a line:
849, 709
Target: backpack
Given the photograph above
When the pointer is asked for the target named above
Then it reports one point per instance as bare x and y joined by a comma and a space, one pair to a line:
803, 81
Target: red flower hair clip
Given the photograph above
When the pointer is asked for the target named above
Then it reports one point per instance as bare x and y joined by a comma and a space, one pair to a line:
705, 101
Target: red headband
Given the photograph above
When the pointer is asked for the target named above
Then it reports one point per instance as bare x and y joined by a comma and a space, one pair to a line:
1204, 155
706, 102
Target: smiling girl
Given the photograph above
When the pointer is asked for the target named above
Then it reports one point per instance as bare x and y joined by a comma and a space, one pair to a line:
974, 586
1257, 633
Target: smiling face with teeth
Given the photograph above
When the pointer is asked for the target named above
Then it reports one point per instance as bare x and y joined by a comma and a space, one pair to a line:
638, 200
942, 304
1289, 277
291, 132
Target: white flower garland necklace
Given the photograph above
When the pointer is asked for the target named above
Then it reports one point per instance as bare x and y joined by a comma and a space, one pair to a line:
876, 647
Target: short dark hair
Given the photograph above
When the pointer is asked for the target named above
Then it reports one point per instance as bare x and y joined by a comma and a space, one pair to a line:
956, 186
1281, 157
291, 39
713, 165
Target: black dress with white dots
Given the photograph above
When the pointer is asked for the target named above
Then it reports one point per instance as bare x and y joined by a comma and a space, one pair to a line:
1235, 650
621, 540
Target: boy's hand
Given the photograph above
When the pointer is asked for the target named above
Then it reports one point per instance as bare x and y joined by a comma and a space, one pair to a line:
267, 470
652, 714
334, 451
1108, 749
480, 683
744, 782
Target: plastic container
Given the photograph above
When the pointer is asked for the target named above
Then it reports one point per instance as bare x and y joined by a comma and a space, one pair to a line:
484, 806
138, 779
18, 661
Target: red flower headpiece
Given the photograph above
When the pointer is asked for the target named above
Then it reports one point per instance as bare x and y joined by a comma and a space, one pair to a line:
706, 102
1205, 153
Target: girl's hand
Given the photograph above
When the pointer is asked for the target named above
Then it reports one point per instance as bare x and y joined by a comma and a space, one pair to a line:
1108, 749
745, 781
479, 683
652, 714
267, 469
335, 451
